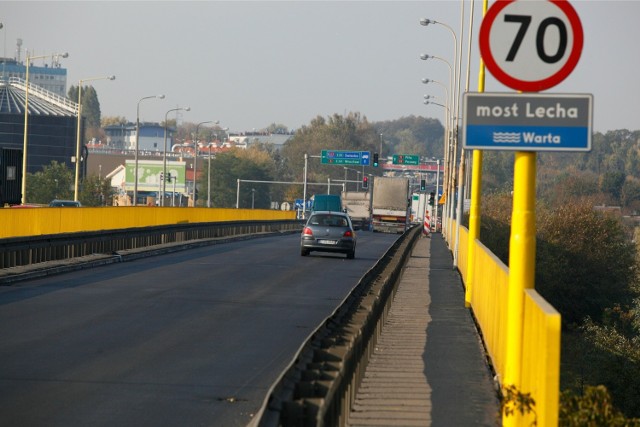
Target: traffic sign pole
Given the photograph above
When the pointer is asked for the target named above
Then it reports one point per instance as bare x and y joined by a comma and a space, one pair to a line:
529, 46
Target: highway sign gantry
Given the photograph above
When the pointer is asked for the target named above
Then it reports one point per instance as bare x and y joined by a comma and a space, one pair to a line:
341, 157
531, 45
527, 122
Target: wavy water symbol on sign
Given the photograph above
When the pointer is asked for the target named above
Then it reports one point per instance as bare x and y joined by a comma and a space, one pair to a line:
506, 137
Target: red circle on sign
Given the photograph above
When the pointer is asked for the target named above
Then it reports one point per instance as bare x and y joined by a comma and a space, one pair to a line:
526, 85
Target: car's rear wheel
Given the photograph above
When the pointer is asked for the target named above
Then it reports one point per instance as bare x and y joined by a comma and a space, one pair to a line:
304, 252
351, 254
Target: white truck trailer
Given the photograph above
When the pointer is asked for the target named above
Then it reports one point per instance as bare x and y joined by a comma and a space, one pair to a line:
391, 204
357, 204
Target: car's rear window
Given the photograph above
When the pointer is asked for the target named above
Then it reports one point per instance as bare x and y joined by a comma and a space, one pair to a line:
329, 220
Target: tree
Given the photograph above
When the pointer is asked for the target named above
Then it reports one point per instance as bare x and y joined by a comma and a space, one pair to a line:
611, 183
90, 104
226, 169
54, 182
407, 134
351, 132
497, 171
96, 191
585, 262
113, 120
90, 112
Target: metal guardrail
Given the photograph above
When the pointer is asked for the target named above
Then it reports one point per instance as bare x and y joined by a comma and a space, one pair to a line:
319, 387
24, 251
52, 97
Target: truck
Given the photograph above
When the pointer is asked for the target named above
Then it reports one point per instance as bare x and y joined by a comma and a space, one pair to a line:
418, 207
326, 202
391, 204
357, 204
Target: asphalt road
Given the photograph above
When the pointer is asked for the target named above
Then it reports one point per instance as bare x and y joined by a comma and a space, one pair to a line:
189, 338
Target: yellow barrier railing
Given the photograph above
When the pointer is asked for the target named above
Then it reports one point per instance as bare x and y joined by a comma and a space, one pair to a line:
41, 221
540, 364
541, 357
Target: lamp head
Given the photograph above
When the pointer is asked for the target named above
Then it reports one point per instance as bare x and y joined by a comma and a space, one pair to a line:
111, 77
187, 108
424, 57
65, 55
160, 96
425, 81
425, 22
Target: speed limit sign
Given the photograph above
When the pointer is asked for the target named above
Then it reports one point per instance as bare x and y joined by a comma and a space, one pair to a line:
531, 45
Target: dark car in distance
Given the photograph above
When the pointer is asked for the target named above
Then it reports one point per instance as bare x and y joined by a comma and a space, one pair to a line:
327, 231
64, 204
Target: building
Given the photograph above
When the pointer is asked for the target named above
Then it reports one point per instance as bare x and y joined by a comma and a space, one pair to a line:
123, 137
51, 77
52, 124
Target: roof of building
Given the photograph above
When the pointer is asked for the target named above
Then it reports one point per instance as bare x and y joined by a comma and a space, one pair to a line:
42, 102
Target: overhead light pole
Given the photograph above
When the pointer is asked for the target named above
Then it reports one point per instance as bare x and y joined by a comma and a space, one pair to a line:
135, 171
209, 172
77, 180
456, 61
195, 158
450, 141
164, 156
26, 120
450, 164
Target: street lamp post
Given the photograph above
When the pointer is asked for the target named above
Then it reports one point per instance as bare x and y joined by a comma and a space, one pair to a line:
77, 180
450, 141
195, 158
209, 179
456, 61
209, 172
450, 164
26, 121
135, 172
164, 156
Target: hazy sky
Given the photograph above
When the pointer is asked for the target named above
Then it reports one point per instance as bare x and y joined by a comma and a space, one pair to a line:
252, 63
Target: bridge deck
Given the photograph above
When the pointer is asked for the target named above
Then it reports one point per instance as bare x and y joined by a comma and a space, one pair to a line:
429, 367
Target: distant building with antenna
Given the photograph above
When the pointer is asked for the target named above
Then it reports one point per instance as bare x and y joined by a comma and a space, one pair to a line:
45, 72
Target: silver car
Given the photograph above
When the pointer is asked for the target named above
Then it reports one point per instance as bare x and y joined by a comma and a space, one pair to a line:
328, 232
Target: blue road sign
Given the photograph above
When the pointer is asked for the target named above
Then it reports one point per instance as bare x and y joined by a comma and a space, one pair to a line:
364, 158
527, 122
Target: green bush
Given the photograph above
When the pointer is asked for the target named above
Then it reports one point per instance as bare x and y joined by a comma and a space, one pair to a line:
594, 408
584, 261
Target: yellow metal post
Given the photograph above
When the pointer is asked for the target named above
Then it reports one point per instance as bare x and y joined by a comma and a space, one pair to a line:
522, 249
474, 224
476, 190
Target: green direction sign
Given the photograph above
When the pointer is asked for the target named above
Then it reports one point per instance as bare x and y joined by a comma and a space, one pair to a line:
406, 159
340, 157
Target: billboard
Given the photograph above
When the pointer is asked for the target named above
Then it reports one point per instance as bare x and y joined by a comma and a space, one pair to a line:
150, 175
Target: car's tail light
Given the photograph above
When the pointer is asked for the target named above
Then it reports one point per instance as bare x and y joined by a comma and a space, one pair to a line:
347, 233
307, 231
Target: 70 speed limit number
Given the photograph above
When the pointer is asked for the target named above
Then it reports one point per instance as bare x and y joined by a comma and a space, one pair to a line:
531, 45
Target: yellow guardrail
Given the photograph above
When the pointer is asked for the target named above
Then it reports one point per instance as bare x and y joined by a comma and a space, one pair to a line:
25, 222
540, 364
